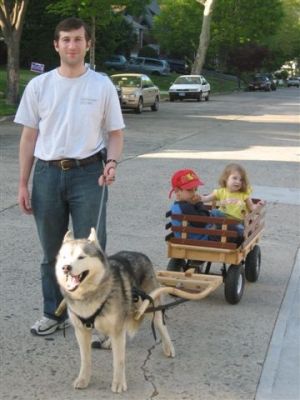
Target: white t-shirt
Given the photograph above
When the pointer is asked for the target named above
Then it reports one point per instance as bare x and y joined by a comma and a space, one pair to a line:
72, 115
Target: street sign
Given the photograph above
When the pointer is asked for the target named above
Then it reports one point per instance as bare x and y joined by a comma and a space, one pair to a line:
37, 67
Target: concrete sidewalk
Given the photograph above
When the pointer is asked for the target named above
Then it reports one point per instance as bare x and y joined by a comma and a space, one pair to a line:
280, 375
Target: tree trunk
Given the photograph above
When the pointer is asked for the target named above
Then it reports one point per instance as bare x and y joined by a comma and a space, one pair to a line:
204, 36
12, 15
13, 72
93, 40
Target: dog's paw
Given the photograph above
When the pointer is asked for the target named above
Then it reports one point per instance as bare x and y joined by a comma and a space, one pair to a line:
168, 349
80, 383
119, 387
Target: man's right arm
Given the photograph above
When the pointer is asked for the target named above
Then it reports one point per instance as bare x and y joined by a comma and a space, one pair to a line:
26, 158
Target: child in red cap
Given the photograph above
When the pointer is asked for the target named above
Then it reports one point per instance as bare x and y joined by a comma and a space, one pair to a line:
185, 183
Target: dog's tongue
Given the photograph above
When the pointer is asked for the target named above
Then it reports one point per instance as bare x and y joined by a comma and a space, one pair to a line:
72, 282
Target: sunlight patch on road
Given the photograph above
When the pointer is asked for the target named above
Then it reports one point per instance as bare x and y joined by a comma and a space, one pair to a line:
268, 118
263, 153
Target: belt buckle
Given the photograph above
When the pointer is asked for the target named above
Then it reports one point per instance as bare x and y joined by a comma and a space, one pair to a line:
62, 165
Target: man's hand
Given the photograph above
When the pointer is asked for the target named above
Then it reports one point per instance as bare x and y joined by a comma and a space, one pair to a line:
109, 174
24, 200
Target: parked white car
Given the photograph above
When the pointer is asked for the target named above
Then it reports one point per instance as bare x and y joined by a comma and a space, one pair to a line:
189, 87
138, 91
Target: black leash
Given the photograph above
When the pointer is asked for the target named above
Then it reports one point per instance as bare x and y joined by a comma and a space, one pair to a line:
164, 307
138, 293
104, 189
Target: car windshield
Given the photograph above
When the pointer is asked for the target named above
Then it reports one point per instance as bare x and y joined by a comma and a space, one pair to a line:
260, 79
127, 81
189, 80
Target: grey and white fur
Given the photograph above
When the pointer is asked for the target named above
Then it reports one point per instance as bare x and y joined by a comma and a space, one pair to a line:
98, 293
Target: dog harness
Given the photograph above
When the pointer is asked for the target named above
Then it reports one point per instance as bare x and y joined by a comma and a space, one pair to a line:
90, 321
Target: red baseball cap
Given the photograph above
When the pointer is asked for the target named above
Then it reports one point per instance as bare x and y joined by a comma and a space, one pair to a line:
185, 179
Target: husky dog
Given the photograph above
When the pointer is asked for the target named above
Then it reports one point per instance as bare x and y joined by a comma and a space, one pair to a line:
99, 294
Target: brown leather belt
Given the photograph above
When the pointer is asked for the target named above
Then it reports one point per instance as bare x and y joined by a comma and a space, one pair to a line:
69, 163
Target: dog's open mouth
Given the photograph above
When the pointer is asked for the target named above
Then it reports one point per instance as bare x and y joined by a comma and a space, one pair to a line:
73, 281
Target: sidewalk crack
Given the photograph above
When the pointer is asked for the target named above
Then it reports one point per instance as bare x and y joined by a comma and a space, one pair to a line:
147, 376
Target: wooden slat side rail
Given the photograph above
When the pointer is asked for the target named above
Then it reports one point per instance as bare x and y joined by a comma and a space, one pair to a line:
206, 220
205, 231
204, 243
252, 236
222, 234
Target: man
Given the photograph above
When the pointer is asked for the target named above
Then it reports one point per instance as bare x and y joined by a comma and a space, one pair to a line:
68, 115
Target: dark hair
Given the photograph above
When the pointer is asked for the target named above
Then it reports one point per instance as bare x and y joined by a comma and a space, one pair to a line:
231, 168
70, 24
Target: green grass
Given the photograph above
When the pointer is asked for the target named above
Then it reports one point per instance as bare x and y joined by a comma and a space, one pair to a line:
25, 76
218, 85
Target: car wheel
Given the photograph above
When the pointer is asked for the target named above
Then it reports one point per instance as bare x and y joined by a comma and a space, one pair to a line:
172, 98
199, 98
140, 106
207, 97
155, 106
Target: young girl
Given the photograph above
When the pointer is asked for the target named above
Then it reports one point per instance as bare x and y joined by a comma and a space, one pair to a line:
233, 195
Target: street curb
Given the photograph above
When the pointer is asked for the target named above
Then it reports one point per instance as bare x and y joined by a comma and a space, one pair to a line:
272, 382
7, 118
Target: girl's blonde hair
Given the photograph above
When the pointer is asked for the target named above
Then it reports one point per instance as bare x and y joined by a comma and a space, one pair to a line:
230, 169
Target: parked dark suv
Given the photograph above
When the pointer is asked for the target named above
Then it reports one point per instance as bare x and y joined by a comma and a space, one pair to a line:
260, 83
179, 66
146, 65
271, 78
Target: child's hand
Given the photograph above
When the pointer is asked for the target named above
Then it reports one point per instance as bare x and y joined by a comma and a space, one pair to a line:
259, 203
196, 198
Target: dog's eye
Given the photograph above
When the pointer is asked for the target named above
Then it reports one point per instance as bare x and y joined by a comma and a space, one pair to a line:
80, 257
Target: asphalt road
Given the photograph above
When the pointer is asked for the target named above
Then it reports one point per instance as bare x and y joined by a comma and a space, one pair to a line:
220, 348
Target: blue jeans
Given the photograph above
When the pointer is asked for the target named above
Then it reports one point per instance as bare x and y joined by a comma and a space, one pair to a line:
58, 195
238, 227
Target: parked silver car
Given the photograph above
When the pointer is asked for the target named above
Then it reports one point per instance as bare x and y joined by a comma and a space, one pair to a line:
189, 87
146, 65
138, 91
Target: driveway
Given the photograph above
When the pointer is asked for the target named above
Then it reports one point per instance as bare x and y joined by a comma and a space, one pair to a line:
220, 348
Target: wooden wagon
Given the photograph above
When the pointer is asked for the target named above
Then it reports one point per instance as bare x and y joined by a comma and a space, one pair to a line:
189, 267
188, 273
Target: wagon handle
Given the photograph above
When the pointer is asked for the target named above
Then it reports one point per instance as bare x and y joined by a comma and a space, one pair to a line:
174, 291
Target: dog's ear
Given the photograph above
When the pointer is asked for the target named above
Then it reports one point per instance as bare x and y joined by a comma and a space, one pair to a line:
68, 236
93, 237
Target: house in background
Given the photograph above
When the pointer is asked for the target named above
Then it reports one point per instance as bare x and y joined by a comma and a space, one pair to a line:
142, 26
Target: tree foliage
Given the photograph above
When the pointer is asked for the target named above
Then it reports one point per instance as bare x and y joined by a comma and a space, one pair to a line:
285, 44
235, 23
177, 28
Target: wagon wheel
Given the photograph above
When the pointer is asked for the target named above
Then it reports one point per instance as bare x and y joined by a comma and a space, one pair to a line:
252, 264
234, 284
176, 264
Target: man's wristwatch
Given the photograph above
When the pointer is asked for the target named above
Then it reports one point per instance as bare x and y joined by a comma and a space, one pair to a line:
111, 160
